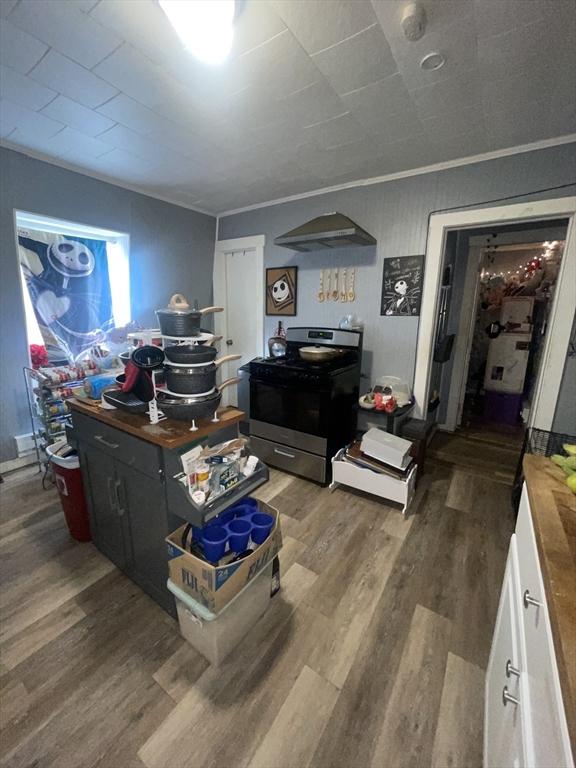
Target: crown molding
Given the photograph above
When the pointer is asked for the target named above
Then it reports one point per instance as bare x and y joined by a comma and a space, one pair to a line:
470, 160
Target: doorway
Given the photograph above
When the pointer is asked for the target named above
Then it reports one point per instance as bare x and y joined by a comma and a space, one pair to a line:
557, 338
239, 288
505, 282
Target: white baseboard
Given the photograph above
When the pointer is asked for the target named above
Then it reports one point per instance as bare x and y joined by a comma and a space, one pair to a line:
19, 463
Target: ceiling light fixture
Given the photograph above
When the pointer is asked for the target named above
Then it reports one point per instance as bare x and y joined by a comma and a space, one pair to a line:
204, 26
432, 61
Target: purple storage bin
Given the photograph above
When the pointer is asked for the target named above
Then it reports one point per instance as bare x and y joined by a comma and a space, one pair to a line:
502, 407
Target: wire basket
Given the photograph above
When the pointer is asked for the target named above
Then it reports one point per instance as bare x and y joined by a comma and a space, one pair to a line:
543, 443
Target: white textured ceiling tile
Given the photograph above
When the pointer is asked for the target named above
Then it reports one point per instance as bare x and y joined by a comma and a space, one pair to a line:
64, 75
505, 94
385, 96
321, 24
459, 91
142, 23
357, 61
314, 103
494, 17
402, 125
87, 121
67, 29
129, 112
131, 72
280, 63
71, 140
6, 6
472, 142
455, 123
123, 138
256, 23
343, 129
563, 119
23, 90
526, 123
518, 46
27, 122
18, 49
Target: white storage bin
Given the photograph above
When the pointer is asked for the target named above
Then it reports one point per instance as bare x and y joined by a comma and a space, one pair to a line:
215, 635
386, 487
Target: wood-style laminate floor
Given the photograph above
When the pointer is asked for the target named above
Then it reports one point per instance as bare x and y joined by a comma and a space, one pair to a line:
372, 654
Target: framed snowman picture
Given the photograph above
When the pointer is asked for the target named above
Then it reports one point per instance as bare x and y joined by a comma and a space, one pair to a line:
402, 286
281, 286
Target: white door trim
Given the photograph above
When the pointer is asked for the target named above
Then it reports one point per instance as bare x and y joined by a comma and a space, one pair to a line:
222, 247
463, 341
561, 316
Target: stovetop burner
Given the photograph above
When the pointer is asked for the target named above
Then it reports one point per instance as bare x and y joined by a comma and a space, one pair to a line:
296, 363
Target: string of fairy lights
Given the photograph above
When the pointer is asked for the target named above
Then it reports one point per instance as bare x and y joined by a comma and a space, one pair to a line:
526, 269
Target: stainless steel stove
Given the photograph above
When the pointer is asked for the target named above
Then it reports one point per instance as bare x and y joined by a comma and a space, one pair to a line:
302, 413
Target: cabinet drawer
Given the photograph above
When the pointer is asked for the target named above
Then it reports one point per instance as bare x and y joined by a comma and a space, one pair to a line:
504, 720
136, 453
550, 742
290, 459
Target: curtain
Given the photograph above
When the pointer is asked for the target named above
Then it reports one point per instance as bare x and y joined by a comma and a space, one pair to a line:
69, 287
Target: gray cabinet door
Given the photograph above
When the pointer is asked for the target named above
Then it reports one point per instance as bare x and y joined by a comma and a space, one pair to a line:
142, 499
107, 526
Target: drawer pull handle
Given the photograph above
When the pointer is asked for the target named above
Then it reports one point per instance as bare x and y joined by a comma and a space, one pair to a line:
508, 698
105, 442
510, 670
529, 600
284, 453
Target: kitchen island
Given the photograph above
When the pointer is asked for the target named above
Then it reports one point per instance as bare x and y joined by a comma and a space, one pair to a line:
130, 470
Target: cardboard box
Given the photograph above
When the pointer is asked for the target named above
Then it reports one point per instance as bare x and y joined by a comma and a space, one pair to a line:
214, 586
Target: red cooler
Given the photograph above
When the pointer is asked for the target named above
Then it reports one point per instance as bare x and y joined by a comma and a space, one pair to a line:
69, 483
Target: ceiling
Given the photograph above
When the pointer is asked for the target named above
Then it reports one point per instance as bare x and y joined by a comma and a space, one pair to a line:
316, 93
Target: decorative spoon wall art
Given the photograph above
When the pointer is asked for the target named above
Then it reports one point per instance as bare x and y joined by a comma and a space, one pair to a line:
337, 285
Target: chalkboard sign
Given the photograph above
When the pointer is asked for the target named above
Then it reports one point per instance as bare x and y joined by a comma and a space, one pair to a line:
402, 286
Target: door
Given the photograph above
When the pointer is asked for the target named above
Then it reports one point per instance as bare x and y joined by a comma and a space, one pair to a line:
239, 288
107, 526
503, 738
142, 503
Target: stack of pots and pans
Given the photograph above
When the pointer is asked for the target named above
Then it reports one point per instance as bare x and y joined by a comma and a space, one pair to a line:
179, 319
191, 382
190, 369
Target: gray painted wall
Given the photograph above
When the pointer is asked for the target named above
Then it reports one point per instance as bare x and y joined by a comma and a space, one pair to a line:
396, 213
565, 416
171, 249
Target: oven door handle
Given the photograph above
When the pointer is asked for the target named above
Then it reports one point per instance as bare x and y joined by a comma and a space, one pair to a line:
279, 385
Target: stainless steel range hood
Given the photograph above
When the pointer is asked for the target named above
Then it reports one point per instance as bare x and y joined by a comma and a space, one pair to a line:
333, 230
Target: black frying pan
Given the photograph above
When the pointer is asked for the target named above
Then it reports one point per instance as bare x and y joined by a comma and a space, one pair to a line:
190, 353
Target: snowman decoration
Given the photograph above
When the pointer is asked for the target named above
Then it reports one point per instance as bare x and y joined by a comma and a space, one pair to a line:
71, 259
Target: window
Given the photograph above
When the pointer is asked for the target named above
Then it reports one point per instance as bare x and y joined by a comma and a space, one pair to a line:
76, 283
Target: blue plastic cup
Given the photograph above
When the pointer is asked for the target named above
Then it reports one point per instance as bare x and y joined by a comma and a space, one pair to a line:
214, 538
225, 517
262, 524
244, 510
238, 534
250, 502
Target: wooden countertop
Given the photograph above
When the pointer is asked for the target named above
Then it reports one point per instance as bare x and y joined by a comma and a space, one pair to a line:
553, 508
168, 433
